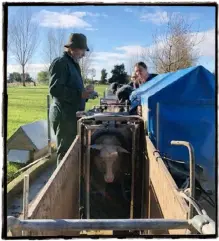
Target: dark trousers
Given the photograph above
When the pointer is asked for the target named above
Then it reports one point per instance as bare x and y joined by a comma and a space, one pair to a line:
64, 124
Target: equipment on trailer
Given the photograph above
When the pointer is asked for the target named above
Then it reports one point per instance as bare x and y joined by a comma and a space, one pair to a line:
116, 176
96, 212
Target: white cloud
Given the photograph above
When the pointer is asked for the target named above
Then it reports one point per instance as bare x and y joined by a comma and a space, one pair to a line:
91, 29
104, 15
106, 60
158, 17
193, 16
65, 19
131, 50
79, 14
108, 56
128, 10
32, 69
96, 14
100, 60
207, 45
122, 54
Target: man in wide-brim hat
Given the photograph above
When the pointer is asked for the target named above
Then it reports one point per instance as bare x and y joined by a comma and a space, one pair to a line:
68, 93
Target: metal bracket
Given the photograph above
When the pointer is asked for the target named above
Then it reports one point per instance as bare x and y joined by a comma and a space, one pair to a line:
192, 171
203, 224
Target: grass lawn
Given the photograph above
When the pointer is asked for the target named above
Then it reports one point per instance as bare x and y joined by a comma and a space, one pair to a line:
29, 104
12, 168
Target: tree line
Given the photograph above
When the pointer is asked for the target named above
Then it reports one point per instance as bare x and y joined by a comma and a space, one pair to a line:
17, 77
175, 49
119, 75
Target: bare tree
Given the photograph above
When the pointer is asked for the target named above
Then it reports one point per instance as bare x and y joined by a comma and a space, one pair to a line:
48, 52
140, 54
23, 38
176, 48
132, 60
85, 64
93, 73
54, 45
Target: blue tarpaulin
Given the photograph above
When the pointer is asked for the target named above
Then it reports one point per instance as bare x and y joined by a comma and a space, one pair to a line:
186, 103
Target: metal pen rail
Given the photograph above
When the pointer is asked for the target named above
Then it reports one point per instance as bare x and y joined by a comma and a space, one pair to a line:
96, 224
84, 124
202, 223
110, 224
112, 106
88, 175
48, 124
191, 171
134, 128
112, 116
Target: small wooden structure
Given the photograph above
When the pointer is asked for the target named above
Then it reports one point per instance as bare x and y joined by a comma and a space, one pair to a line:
29, 142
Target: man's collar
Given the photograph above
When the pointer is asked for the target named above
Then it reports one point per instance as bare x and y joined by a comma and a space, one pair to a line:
77, 62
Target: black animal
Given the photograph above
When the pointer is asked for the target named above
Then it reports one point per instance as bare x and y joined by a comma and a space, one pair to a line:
136, 85
123, 93
114, 86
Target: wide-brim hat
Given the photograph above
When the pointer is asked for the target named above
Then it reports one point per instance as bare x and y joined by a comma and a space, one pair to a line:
77, 40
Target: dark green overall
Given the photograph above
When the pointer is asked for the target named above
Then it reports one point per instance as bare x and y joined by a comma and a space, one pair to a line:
65, 87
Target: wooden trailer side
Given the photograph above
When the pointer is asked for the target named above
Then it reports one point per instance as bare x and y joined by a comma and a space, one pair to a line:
164, 200
59, 198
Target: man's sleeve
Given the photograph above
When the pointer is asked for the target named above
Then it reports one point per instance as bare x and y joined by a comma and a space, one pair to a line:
58, 79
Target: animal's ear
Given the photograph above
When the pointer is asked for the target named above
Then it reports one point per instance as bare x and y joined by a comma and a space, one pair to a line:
96, 146
120, 149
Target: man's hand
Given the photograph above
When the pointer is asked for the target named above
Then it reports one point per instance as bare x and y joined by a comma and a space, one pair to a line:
89, 87
93, 95
86, 93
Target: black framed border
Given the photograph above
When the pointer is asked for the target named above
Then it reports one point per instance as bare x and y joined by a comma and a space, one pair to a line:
5, 102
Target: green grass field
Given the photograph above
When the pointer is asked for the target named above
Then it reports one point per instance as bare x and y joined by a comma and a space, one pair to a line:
29, 104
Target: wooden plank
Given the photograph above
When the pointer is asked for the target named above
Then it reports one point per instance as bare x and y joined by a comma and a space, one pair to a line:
171, 204
155, 211
58, 199
16, 185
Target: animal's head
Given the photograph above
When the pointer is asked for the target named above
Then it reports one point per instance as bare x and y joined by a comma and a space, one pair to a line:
124, 92
108, 161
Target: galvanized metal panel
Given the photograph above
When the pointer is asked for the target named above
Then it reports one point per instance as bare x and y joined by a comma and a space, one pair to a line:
38, 133
20, 141
18, 156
